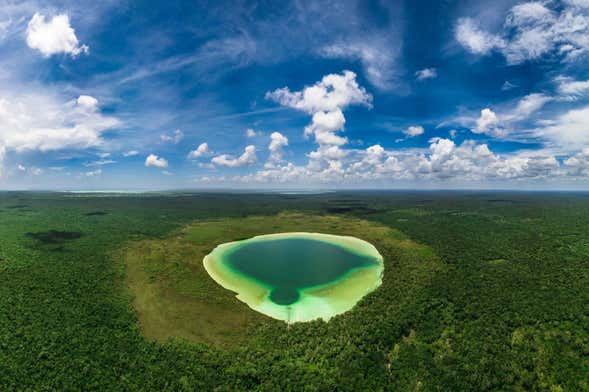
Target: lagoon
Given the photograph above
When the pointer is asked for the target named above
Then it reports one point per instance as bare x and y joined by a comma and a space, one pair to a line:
297, 276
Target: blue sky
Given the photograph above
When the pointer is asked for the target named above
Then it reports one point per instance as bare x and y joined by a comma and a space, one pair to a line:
357, 94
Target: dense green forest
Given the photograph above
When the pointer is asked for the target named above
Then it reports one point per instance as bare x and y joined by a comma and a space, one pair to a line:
482, 291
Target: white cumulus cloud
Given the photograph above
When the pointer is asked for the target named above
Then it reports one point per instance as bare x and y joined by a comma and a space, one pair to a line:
88, 102
35, 121
154, 161
414, 130
201, 151
248, 158
53, 36
443, 161
277, 142
333, 92
325, 102
488, 123
251, 133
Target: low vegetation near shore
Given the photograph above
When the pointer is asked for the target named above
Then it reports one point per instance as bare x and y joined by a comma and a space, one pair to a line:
175, 297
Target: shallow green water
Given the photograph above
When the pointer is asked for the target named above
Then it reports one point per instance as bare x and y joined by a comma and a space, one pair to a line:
297, 276
290, 264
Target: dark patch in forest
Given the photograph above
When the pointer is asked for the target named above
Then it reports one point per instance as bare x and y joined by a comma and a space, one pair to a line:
55, 237
96, 213
18, 206
344, 209
339, 210
348, 205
